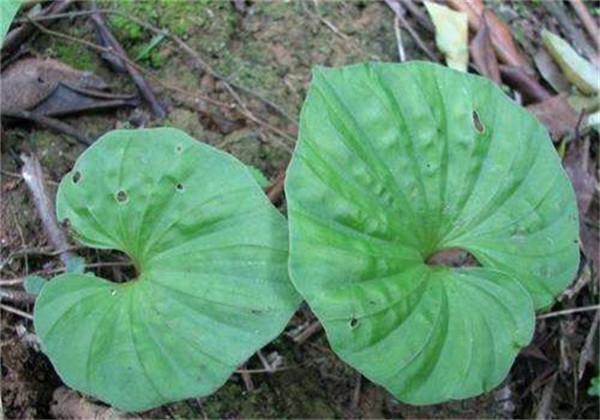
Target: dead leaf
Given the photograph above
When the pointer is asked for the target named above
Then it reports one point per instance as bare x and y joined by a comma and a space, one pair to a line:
577, 69
451, 34
557, 115
48, 87
529, 87
550, 71
483, 53
30, 80
581, 169
587, 104
68, 404
500, 33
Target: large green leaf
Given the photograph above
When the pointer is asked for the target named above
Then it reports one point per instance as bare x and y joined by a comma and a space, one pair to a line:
8, 10
395, 163
211, 256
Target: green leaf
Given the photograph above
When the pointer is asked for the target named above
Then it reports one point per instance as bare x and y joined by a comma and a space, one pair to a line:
451, 33
594, 389
33, 284
76, 265
211, 256
8, 10
259, 177
398, 162
156, 39
578, 70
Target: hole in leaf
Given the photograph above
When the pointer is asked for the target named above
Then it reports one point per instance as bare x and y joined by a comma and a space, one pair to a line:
65, 223
477, 123
353, 322
115, 266
179, 187
178, 148
76, 177
452, 257
122, 196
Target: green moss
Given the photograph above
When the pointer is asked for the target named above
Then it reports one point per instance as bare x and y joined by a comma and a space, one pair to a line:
182, 18
75, 55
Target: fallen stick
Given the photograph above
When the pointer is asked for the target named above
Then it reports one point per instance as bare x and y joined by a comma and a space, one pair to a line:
34, 179
587, 20
51, 123
145, 90
16, 296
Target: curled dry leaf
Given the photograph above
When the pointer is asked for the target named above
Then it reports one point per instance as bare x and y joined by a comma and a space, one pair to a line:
451, 33
483, 53
550, 71
578, 70
49, 87
529, 87
557, 115
500, 33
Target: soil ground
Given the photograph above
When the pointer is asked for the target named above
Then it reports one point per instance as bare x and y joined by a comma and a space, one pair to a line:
270, 48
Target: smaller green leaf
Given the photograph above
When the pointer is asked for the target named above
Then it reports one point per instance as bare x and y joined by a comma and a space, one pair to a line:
259, 177
76, 265
33, 284
156, 39
594, 389
451, 32
578, 70
8, 10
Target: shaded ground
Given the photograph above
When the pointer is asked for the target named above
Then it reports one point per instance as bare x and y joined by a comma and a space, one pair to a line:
268, 47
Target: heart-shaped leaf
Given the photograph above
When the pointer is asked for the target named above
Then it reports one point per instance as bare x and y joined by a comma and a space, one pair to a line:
396, 163
211, 256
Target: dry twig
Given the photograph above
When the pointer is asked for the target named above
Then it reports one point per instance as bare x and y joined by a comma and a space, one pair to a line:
143, 86
308, 332
16, 296
587, 20
34, 179
16, 311
569, 311
412, 32
51, 123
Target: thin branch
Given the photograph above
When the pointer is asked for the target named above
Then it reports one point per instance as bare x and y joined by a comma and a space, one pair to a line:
19, 280
308, 332
587, 20
196, 96
275, 190
415, 36
16, 296
401, 54
203, 64
143, 86
16, 312
418, 14
569, 311
34, 179
51, 123
297, 366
